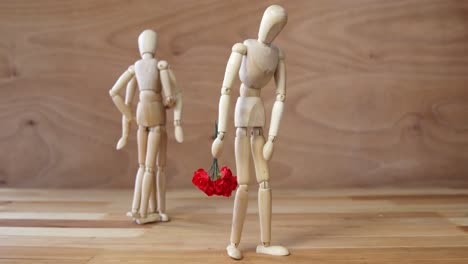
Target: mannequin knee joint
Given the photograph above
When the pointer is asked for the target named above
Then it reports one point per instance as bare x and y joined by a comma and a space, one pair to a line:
243, 187
156, 129
257, 131
241, 131
264, 185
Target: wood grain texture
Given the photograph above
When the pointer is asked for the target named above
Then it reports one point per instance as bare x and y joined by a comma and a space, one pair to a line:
377, 90
330, 226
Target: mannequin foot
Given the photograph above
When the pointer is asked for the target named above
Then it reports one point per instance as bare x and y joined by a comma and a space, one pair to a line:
133, 214
233, 252
272, 250
164, 217
150, 218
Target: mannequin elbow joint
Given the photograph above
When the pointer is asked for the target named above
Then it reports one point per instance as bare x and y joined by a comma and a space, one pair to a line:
225, 90
280, 97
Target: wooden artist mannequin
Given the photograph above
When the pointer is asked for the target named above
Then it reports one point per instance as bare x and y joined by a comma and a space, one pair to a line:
256, 61
154, 79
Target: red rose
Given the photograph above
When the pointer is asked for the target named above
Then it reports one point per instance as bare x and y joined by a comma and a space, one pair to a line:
218, 186
219, 182
234, 183
221, 186
209, 189
203, 182
225, 172
199, 177
229, 181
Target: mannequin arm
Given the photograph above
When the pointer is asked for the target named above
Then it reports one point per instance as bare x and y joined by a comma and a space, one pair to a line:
119, 85
163, 67
131, 87
232, 70
179, 134
278, 107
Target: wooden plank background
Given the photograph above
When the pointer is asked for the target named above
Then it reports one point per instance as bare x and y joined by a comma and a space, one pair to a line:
377, 90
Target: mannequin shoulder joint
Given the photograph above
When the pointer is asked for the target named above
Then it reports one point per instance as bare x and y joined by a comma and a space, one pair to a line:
163, 65
239, 48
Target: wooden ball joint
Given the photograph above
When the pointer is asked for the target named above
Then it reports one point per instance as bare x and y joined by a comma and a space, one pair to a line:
158, 91
256, 61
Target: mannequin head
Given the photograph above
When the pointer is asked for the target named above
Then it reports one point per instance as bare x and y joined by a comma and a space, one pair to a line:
273, 21
147, 42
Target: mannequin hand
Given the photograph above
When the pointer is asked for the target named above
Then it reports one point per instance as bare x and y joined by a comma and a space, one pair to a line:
179, 134
122, 142
169, 102
268, 149
217, 147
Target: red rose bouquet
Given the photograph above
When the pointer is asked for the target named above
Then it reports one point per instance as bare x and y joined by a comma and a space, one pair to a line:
215, 181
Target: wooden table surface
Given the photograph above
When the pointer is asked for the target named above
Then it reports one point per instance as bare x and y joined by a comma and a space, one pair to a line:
336, 226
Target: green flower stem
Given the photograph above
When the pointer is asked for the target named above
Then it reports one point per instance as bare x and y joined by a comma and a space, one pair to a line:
214, 168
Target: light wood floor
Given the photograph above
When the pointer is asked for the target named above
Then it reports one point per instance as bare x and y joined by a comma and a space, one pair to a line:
342, 226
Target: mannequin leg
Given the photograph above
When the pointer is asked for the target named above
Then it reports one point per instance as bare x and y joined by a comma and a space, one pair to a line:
264, 196
142, 138
242, 154
154, 138
153, 203
264, 192
161, 176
